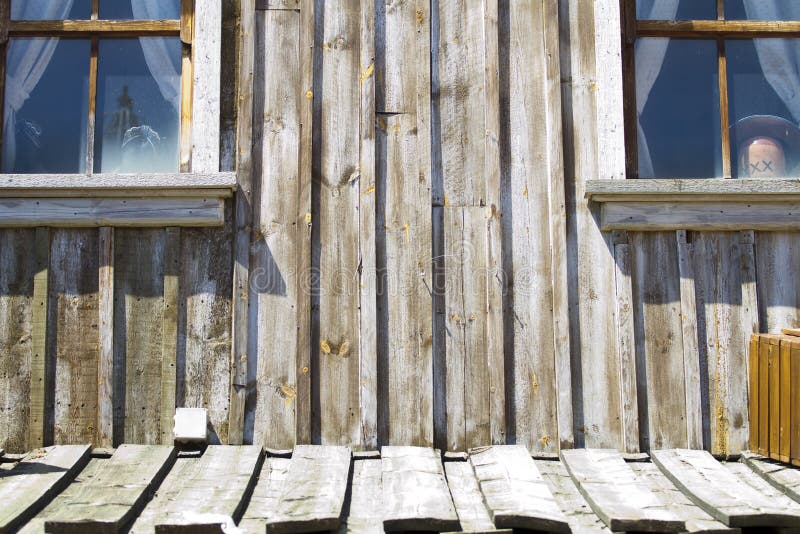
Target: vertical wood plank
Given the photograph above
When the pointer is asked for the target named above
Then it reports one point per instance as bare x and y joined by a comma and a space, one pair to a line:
169, 332
73, 340
17, 272
274, 253
785, 409
778, 290
139, 268
206, 50
39, 321
749, 281
342, 240
763, 396
627, 346
774, 406
754, 391
794, 397
403, 202
105, 364
691, 355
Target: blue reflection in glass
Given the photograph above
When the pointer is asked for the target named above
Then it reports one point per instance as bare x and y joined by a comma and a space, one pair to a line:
50, 9
46, 106
685, 10
138, 105
762, 10
140, 9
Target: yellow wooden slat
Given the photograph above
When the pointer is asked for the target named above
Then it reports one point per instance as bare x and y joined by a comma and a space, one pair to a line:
774, 397
754, 392
784, 415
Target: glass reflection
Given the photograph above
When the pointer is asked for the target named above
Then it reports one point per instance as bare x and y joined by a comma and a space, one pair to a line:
50, 9
677, 99
138, 105
762, 10
763, 78
676, 9
140, 9
46, 106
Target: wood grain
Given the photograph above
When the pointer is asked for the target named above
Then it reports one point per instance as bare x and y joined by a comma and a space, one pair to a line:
266, 495
105, 361
467, 497
40, 366
626, 342
691, 350
365, 508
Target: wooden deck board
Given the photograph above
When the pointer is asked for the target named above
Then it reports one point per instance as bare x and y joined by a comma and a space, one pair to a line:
782, 476
366, 500
202, 493
415, 493
32, 483
515, 492
579, 513
314, 490
621, 499
721, 493
266, 495
116, 494
467, 497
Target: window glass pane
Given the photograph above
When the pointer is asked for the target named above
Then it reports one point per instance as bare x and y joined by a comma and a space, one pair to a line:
683, 10
763, 82
50, 9
46, 106
677, 98
762, 10
140, 9
138, 105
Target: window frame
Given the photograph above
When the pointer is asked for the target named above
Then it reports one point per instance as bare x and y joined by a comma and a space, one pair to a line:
193, 196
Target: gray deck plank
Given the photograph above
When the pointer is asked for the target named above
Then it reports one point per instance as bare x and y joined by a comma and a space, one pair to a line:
266, 495
782, 476
203, 494
415, 492
721, 493
314, 490
366, 500
579, 514
697, 520
620, 498
467, 498
33, 482
116, 494
514, 491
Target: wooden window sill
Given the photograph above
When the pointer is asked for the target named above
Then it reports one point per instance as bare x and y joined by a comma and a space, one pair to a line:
144, 200
697, 204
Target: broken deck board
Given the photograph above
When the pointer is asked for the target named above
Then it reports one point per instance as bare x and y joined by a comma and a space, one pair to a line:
696, 519
33, 482
364, 515
314, 490
579, 514
467, 497
415, 493
622, 500
720, 493
116, 494
782, 476
514, 491
266, 495
202, 492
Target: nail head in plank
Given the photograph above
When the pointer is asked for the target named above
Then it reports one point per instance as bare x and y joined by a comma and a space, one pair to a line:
366, 505
215, 484
622, 500
784, 477
467, 497
314, 491
514, 491
117, 492
266, 495
415, 492
719, 492
33, 482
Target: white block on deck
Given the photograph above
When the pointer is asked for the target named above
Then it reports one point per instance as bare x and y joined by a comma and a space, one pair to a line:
191, 425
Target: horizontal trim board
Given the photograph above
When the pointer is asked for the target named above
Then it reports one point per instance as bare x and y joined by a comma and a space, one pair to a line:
221, 184
716, 189
717, 28
86, 27
656, 216
92, 212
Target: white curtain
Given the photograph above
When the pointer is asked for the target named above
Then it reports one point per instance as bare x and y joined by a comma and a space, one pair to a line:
27, 61
779, 58
650, 54
157, 52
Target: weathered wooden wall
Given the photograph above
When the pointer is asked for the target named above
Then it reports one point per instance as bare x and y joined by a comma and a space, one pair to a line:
409, 260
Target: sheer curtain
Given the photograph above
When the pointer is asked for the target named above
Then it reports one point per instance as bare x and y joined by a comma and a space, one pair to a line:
650, 54
156, 52
779, 58
27, 61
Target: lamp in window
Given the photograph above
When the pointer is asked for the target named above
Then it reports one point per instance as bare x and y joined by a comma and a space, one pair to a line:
769, 147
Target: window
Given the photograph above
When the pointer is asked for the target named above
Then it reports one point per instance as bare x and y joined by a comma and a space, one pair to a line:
712, 88
95, 86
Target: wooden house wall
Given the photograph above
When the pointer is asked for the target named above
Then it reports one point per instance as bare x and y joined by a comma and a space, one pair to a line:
410, 259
